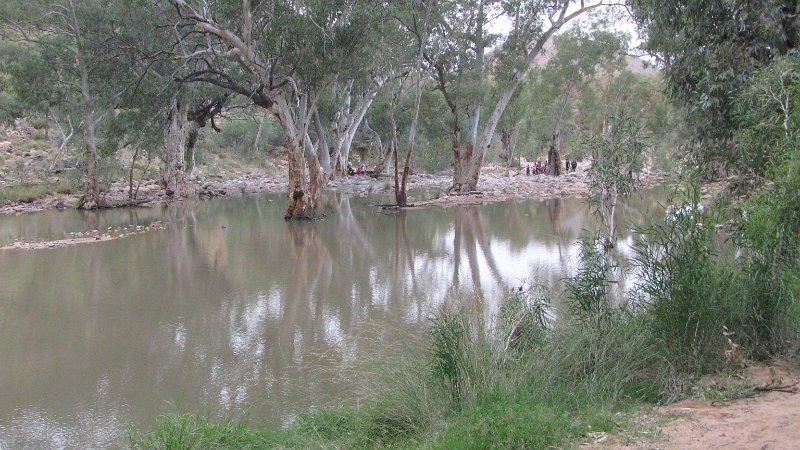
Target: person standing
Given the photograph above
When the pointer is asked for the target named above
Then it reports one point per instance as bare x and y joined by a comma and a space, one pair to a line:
574, 165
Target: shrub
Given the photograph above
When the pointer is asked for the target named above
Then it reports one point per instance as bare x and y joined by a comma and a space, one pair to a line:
38, 123
686, 291
23, 193
587, 292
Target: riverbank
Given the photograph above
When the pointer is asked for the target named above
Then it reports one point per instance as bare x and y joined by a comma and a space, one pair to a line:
754, 413
756, 407
497, 184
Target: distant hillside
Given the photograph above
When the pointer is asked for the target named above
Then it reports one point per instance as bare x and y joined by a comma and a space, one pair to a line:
635, 64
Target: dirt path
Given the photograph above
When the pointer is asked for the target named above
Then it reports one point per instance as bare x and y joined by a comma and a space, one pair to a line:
770, 420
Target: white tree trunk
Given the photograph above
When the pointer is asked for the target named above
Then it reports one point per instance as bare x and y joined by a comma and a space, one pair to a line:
471, 160
258, 135
303, 191
348, 122
92, 199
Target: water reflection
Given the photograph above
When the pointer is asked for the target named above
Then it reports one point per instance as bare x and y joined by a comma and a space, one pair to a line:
230, 307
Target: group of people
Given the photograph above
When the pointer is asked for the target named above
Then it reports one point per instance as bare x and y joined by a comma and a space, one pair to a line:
362, 169
540, 167
567, 165
537, 169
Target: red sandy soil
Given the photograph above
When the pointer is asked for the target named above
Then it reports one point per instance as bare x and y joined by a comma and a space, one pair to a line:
768, 420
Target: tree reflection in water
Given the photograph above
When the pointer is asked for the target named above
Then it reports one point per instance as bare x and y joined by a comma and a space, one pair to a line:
230, 307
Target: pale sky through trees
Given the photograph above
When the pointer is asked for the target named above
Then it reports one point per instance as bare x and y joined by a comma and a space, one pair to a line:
501, 25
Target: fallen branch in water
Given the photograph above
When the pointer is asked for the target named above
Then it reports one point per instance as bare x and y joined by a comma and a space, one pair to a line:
409, 205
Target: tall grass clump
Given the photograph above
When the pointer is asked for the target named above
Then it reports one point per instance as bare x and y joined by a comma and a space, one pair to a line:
192, 431
688, 294
454, 347
524, 319
523, 381
770, 235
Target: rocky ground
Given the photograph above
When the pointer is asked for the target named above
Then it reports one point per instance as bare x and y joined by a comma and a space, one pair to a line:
496, 184
27, 158
87, 238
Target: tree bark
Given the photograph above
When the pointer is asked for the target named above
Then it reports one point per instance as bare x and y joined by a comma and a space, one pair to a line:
258, 135
173, 166
130, 173
384, 153
303, 193
402, 195
398, 195
505, 138
554, 155
191, 146
458, 174
348, 120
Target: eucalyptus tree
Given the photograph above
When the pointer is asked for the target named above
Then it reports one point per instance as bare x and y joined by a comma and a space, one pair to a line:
709, 50
283, 56
353, 96
465, 56
158, 113
397, 52
64, 33
580, 58
618, 155
19, 63
418, 23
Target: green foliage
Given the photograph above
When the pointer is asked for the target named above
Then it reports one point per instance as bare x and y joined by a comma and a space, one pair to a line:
617, 158
238, 136
771, 216
689, 295
693, 291
766, 117
587, 291
710, 51
23, 193
452, 350
192, 431
524, 318
513, 420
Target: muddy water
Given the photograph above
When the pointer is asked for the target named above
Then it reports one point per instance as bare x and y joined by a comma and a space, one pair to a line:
231, 309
